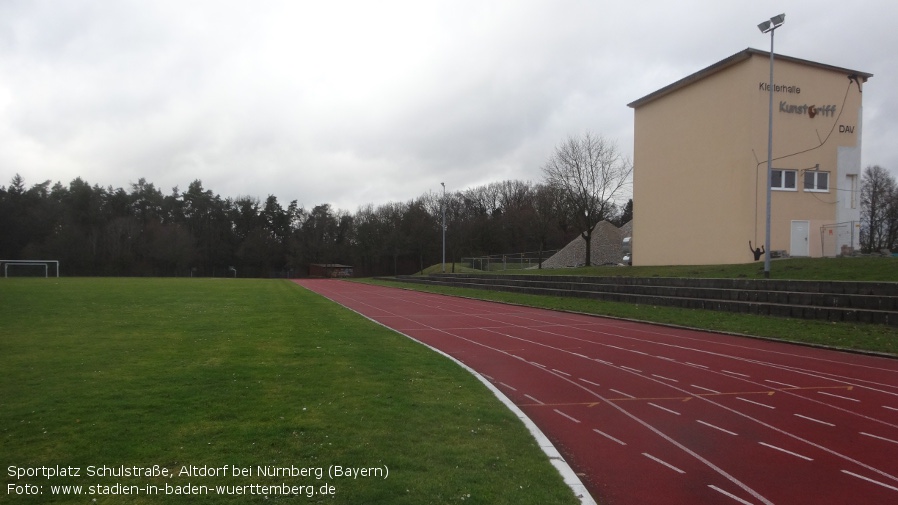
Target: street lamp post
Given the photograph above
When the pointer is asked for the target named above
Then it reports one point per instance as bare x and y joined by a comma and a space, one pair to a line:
769, 26
443, 208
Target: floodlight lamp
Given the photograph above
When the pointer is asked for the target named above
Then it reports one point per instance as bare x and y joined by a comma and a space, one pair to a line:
764, 26
778, 20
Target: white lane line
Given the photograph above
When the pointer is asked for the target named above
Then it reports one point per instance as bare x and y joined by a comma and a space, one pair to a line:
716, 427
621, 393
590, 382
509, 387
487, 376
780, 383
706, 389
567, 416
609, 437
665, 378
639, 352
579, 355
631, 369
559, 371
837, 396
868, 479
665, 357
890, 408
664, 408
603, 361
538, 364
881, 438
736, 373
534, 399
721, 491
815, 420
665, 463
787, 452
695, 364
756, 403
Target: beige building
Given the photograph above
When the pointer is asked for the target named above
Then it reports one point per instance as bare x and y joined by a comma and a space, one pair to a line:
700, 161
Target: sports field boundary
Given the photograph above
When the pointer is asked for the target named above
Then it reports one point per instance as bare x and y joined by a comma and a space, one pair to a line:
839, 301
567, 473
863, 352
563, 369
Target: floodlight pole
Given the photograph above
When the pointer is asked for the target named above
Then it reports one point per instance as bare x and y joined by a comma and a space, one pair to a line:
770, 26
443, 208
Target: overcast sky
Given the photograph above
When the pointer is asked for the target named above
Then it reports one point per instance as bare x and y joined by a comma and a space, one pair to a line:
369, 101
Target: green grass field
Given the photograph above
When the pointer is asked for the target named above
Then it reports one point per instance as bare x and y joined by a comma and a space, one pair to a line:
169, 373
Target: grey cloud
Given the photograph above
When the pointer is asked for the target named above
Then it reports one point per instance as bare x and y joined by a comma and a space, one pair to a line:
363, 102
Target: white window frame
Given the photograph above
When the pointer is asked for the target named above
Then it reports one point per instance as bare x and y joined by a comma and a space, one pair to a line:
782, 186
816, 175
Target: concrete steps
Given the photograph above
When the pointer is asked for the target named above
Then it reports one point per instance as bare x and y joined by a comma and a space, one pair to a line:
846, 301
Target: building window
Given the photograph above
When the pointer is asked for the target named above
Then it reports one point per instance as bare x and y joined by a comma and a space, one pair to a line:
783, 180
816, 181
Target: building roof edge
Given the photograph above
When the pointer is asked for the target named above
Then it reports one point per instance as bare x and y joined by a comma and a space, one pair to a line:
733, 60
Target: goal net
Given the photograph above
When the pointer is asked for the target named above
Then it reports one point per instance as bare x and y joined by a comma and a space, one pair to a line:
30, 268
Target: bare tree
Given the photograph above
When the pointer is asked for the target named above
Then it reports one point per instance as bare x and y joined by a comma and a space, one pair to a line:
590, 172
879, 210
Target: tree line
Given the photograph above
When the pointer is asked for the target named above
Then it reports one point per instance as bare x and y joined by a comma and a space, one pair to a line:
141, 231
96, 230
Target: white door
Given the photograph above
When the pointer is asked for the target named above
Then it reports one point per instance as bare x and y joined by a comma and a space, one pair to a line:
800, 236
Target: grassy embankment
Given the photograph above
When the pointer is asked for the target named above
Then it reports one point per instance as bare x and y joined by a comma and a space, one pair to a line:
245, 373
874, 338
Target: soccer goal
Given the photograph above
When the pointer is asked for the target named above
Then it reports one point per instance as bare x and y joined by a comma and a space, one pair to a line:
26, 268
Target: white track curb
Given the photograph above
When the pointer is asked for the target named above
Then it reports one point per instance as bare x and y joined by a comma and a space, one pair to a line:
567, 473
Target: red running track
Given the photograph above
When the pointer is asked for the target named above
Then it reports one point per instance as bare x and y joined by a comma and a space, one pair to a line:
652, 414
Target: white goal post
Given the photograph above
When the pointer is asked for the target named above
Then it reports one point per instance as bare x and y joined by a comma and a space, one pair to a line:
34, 263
